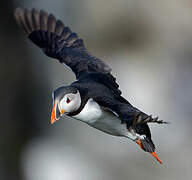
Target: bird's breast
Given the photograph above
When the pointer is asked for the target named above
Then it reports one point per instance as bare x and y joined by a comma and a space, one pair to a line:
90, 113
101, 119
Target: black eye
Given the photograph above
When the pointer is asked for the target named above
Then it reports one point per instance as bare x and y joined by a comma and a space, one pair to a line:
68, 100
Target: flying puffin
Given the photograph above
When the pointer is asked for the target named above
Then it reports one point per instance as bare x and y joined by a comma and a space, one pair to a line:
95, 97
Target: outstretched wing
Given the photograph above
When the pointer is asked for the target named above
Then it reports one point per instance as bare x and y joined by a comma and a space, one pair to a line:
58, 41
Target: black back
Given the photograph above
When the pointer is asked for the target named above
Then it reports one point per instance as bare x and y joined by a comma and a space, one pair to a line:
94, 76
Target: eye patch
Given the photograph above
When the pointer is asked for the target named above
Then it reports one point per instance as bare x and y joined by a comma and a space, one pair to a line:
68, 100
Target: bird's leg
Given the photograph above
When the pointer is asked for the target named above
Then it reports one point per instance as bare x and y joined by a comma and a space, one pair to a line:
138, 141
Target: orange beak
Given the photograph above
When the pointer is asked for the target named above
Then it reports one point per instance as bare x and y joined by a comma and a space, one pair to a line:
56, 114
152, 153
53, 115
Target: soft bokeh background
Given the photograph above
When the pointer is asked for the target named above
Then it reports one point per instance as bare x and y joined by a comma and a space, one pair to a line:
147, 43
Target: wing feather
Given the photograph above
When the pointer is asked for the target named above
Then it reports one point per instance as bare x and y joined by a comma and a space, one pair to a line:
58, 41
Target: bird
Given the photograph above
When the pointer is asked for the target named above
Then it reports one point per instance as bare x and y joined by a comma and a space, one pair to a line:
94, 98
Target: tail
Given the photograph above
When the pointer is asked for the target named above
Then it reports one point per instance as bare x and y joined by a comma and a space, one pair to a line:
144, 138
45, 31
144, 135
142, 118
140, 127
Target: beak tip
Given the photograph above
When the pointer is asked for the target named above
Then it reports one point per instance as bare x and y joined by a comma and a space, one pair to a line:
52, 122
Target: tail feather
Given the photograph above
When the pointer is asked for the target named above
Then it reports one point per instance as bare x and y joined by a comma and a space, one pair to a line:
142, 131
142, 118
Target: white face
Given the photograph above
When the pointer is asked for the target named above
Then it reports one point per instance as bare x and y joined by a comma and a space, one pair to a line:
70, 103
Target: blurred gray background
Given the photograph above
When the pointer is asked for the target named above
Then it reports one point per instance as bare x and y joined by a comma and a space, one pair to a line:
147, 43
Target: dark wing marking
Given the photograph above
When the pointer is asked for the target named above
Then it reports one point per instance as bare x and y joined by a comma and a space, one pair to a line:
142, 118
127, 113
58, 41
106, 79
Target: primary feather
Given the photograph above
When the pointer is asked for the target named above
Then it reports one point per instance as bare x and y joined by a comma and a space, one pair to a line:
59, 42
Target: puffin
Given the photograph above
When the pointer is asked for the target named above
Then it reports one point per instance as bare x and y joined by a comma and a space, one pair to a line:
94, 98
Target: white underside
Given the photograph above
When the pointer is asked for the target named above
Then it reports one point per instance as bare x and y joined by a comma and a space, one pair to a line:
104, 120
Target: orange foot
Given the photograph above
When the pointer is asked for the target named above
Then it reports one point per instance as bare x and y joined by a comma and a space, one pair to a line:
152, 153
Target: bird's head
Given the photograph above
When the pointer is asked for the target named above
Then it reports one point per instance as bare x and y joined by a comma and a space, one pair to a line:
65, 100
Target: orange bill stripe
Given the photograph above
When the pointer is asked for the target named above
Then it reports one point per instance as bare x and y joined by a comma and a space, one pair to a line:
53, 118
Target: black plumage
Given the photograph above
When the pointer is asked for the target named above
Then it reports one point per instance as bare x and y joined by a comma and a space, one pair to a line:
94, 78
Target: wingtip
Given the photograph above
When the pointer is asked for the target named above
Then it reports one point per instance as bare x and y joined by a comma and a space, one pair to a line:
17, 10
